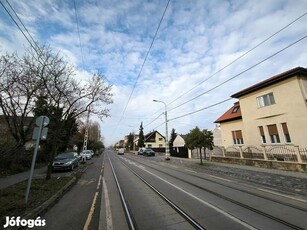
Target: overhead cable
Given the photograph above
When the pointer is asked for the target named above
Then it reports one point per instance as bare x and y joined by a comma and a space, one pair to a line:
241, 56
78, 29
147, 54
239, 74
199, 110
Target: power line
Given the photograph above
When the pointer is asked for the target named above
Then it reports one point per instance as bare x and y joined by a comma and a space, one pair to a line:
37, 46
199, 110
237, 75
15, 22
235, 60
147, 54
154, 120
78, 29
196, 111
241, 56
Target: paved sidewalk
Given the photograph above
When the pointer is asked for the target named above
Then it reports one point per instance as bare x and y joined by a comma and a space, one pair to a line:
16, 178
279, 180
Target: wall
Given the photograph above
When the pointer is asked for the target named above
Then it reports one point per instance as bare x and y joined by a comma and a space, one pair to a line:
226, 131
289, 166
290, 107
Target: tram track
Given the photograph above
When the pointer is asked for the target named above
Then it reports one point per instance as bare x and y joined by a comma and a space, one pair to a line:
130, 219
264, 214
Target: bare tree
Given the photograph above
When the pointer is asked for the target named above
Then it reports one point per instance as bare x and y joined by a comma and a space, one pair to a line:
45, 75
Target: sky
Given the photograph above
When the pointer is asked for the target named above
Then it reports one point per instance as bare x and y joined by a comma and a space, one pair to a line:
203, 52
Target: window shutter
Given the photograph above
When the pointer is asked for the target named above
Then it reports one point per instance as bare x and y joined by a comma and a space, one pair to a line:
261, 130
272, 130
285, 128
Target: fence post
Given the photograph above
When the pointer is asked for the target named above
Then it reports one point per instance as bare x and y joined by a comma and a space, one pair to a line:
265, 156
298, 155
241, 152
224, 151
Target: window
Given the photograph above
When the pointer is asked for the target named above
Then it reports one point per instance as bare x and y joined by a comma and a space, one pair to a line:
160, 139
160, 145
235, 109
237, 137
149, 145
273, 132
286, 132
263, 140
266, 100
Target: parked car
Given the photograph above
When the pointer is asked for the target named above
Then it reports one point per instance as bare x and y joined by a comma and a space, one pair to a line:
65, 161
91, 152
77, 155
121, 151
87, 154
141, 150
148, 152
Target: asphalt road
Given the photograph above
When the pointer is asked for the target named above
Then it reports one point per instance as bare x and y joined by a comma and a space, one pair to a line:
211, 201
79, 208
137, 192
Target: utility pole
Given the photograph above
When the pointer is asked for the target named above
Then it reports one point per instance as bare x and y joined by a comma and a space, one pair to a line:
86, 131
167, 155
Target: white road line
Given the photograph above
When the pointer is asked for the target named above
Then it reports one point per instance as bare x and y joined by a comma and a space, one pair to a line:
205, 203
279, 194
189, 170
220, 178
108, 207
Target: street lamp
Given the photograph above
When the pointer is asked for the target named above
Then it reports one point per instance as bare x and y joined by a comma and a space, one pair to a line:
166, 132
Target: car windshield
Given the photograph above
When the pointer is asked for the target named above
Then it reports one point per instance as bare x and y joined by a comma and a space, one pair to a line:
62, 156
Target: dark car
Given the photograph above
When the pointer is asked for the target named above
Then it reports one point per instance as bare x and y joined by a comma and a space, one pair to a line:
148, 152
65, 161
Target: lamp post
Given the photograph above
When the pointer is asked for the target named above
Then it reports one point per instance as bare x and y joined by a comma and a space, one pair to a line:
166, 132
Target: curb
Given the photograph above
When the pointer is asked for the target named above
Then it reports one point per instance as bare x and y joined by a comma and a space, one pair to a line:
44, 206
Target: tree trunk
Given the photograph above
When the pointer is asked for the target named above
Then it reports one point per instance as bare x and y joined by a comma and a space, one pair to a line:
201, 158
52, 154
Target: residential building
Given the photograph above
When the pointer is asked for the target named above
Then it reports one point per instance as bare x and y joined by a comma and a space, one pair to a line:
271, 112
179, 148
154, 140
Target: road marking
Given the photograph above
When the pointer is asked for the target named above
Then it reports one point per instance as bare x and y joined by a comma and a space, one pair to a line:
204, 202
90, 215
216, 177
173, 166
279, 194
99, 181
107, 205
189, 170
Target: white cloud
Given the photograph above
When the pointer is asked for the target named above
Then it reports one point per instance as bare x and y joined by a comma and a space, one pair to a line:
195, 40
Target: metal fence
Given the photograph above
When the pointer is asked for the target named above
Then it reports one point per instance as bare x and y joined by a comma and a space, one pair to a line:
289, 153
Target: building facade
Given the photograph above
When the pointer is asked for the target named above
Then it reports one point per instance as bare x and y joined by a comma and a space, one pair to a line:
272, 112
154, 140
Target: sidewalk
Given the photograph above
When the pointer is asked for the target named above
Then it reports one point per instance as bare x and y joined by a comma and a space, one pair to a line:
19, 177
236, 166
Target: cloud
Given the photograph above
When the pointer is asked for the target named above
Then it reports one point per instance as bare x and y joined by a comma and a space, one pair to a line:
196, 39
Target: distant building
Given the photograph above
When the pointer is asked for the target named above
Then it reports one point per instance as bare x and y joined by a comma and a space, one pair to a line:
217, 136
155, 140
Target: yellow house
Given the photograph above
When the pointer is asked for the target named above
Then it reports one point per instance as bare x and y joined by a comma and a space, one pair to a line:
154, 140
272, 112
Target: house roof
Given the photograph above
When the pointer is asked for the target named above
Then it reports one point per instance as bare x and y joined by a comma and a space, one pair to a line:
298, 71
151, 135
234, 113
